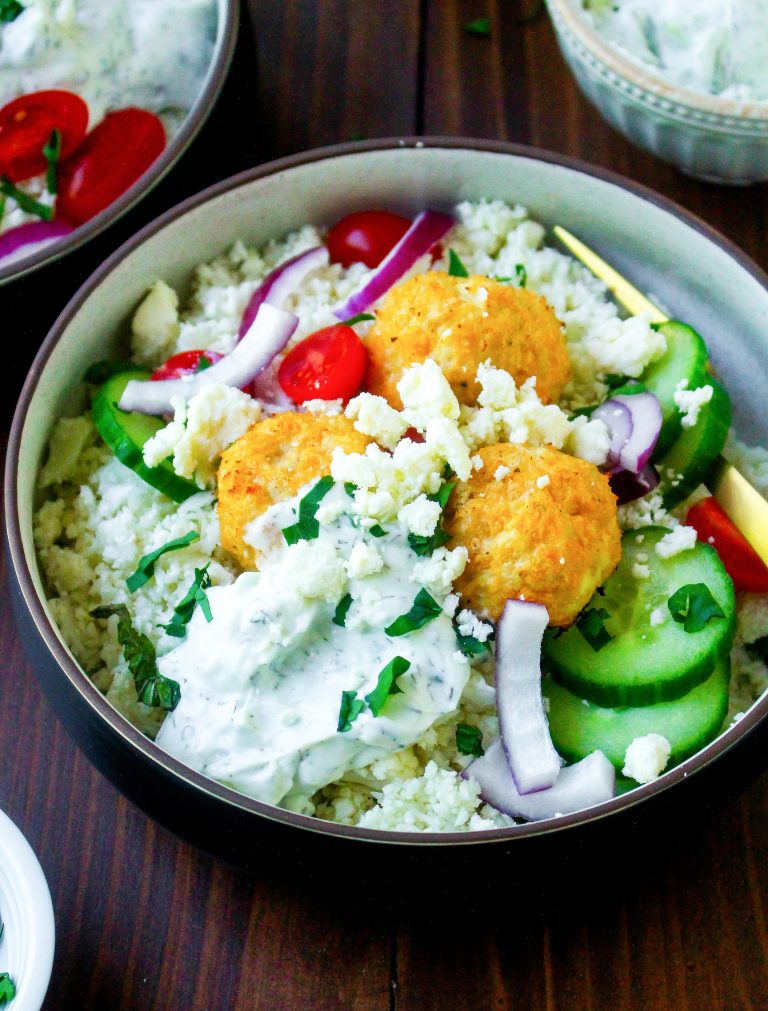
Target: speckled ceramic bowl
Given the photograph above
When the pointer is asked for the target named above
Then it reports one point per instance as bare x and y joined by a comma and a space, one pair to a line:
223, 50
693, 270
715, 139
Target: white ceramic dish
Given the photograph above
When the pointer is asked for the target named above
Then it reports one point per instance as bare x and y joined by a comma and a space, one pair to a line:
26, 949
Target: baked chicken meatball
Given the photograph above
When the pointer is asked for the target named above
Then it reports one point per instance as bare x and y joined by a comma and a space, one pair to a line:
544, 530
461, 322
271, 463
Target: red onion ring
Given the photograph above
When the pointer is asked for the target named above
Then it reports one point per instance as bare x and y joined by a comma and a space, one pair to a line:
282, 282
630, 450
18, 242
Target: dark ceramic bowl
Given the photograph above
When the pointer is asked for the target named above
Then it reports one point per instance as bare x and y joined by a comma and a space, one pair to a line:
699, 275
223, 50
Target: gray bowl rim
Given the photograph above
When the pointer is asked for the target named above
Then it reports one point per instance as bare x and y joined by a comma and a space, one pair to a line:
20, 568
192, 124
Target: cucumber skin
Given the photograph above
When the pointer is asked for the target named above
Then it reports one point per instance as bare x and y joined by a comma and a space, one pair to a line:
662, 376
613, 730
105, 415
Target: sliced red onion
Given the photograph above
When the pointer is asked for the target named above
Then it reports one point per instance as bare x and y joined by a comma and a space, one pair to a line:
591, 781
21, 241
523, 725
618, 420
271, 330
631, 450
282, 282
627, 486
427, 229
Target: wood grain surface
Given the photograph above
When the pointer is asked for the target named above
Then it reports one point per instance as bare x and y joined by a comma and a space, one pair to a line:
145, 921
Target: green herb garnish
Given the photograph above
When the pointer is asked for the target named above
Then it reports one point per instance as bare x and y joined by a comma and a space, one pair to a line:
183, 611
362, 317
25, 201
52, 153
146, 567
423, 610
203, 363
521, 274
614, 379
455, 267
387, 684
693, 606
10, 10
100, 372
478, 26
469, 740
350, 709
307, 527
470, 645
377, 531
350, 488
591, 624
7, 987
422, 545
342, 609
152, 687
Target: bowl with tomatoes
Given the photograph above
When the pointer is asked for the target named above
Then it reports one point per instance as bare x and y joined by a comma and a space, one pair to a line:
76, 154
357, 195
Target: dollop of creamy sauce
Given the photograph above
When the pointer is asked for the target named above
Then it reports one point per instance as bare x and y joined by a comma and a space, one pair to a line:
709, 46
262, 682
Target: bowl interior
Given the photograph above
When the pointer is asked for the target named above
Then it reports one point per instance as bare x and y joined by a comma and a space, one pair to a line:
690, 270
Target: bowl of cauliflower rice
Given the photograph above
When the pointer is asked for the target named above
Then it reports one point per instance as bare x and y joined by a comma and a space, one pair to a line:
342, 499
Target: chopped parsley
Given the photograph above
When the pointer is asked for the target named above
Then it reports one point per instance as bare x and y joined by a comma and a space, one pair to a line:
387, 684
422, 545
614, 379
521, 274
183, 611
7, 987
478, 26
362, 317
203, 363
377, 531
455, 267
152, 687
342, 609
100, 372
52, 153
146, 567
307, 527
423, 610
591, 624
350, 488
25, 201
10, 10
470, 645
693, 606
469, 740
350, 708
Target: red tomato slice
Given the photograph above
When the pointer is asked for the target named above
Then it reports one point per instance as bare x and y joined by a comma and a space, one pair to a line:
328, 365
741, 561
112, 157
26, 125
365, 237
185, 363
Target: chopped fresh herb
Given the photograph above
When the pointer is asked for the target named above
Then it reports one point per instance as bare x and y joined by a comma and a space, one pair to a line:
521, 274
614, 379
350, 488
7, 987
307, 528
203, 363
444, 493
183, 611
350, 708
100, 372
470, 645
362, 317
377, 531
469, 740
387, 684
591, 624
758, 648
419, 543
146, 567
52, 153
423, 610
500, 279
693, 606
152, 687
342, 609
628, 389
478, 26
455, 267
3, 199
584, 412
25, 201
10, 10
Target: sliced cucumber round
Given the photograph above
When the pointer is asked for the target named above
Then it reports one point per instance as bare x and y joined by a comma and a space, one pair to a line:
684, 360
125, 432
578, 727
644, 663
694, 453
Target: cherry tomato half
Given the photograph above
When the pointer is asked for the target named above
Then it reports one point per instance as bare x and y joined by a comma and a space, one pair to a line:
328, 365
741, 561
26, 125
365, 237
185, 363
108, 162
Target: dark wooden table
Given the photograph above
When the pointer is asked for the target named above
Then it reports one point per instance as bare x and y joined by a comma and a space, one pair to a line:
143, 919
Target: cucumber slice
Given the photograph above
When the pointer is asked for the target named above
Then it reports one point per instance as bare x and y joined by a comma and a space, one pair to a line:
694, 453
578, 728
125, 432
684, 359
644, 664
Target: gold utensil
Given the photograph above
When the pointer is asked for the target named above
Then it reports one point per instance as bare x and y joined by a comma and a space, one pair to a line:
744, 505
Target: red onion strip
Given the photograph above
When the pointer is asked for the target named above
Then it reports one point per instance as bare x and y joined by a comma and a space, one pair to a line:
627, 486
634, 422
282, 282
19, 242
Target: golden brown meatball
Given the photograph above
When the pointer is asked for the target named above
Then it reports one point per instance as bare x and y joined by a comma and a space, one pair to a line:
270, 463
553, 545
460, 323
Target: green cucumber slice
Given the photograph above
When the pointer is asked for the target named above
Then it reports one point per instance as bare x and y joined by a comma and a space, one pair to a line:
694, 453
684, 359
643, 663
125, 432
578, 727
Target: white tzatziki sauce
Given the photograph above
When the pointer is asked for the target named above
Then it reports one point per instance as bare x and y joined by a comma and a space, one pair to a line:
715, 47
261, 684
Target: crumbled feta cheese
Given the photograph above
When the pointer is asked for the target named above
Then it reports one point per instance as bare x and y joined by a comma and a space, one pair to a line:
155, 326
421, 516
646, 512
646, 758
324, 408
470, 624
450, 604
640, 571
659, 616
364, 560
543, 481
426, 394
386, 482
328, 512
589, 440
438, 572
477, 462
690, 402
501, 472
373, 416
315, 570
680, 539
443, 438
